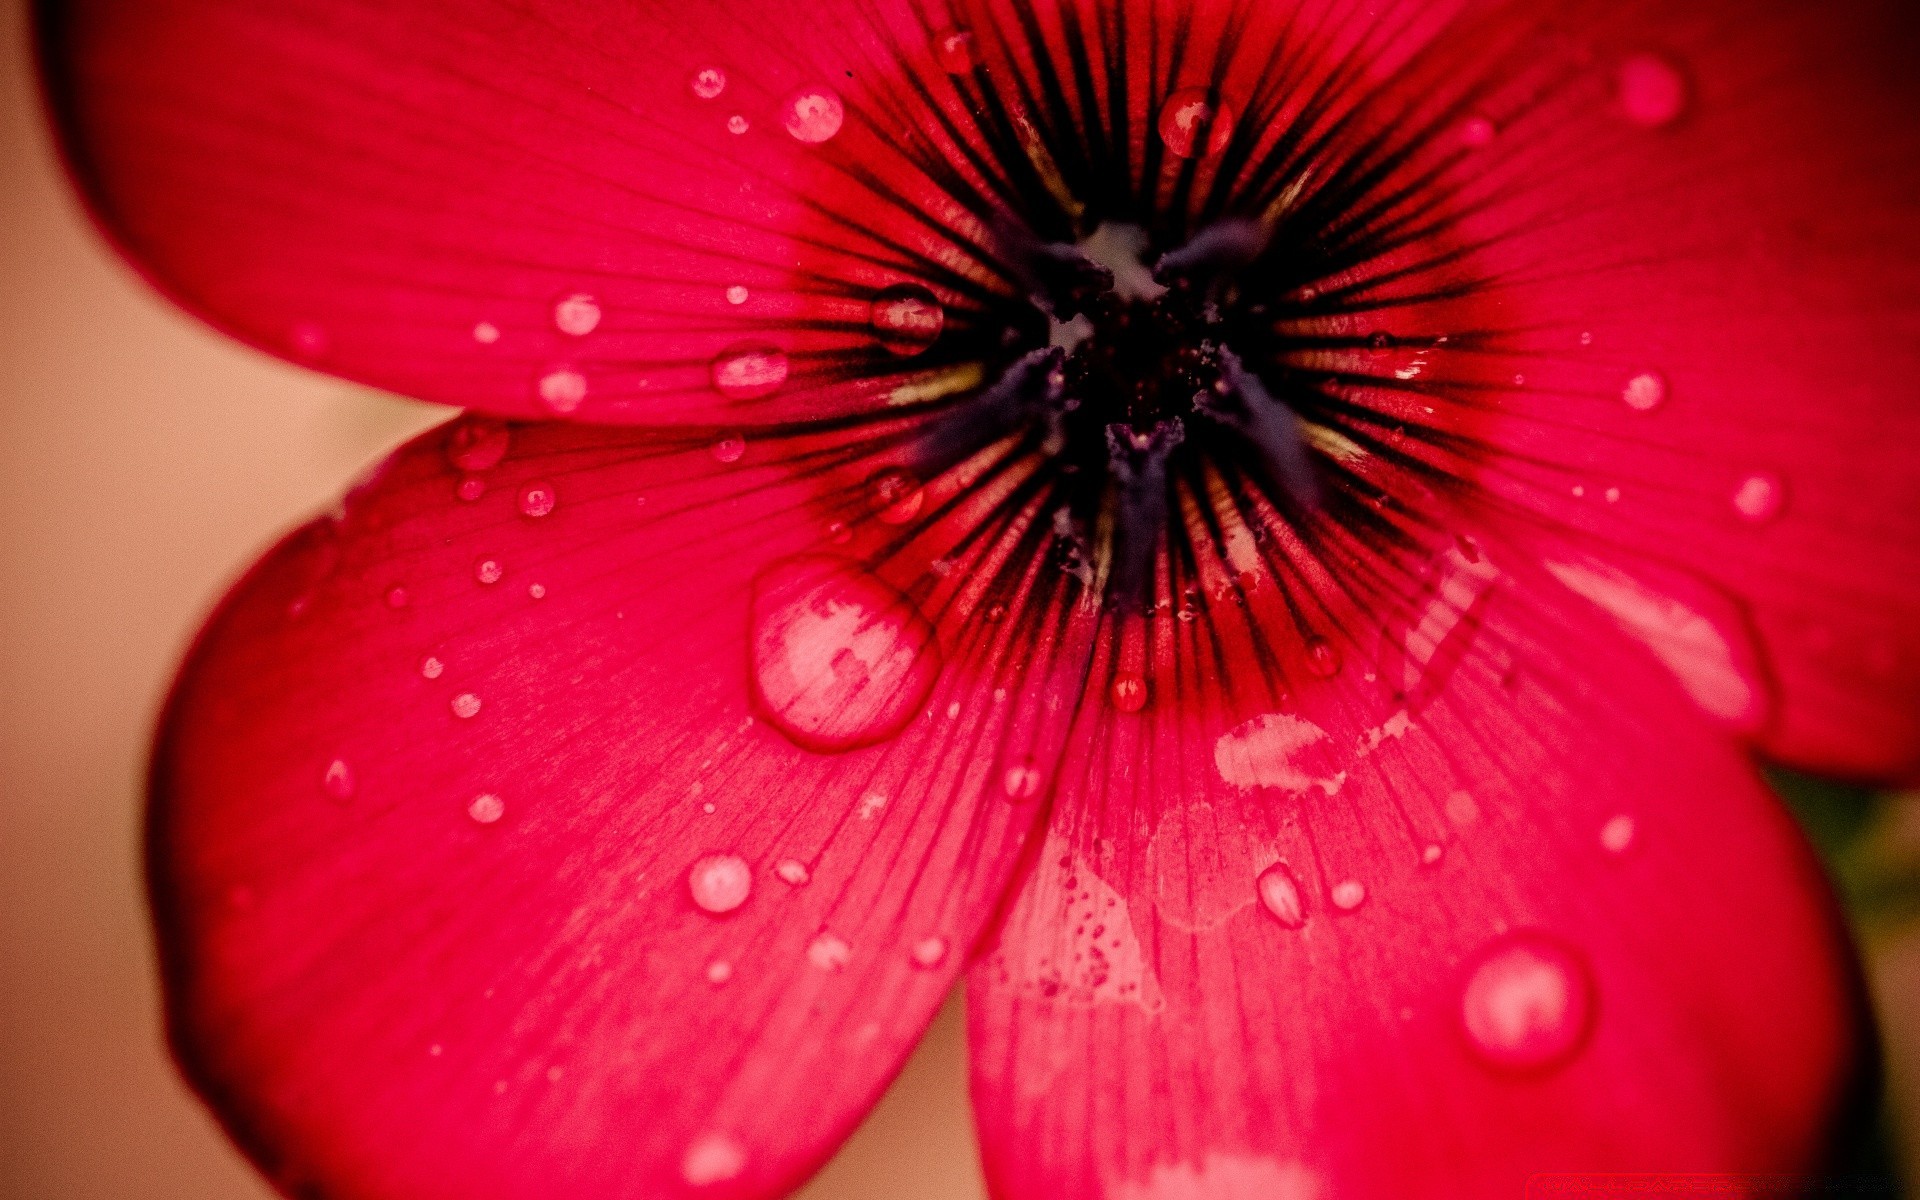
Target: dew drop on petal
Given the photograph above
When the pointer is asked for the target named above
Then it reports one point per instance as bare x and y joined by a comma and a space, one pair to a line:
720, 882
719, 971
1645, 391
1021, 782
486, 333
712, 1158
736, 294
1431, 854
1528, 1003
1323, 658
1193, 123
563, 389
749, 370
729, 448
471, 488
1280, 896
929, 952
337, 780
488, 570
953, 50
431, 667
907, 319
896, 495
1651, 91
829, 953
465, 706
1128, 691
840, 659
736, 124
813, 114
1616, 836
1349, 894
1760, 497
397, 597
577, 315
477, 443
486, 808
537, 591
708, 83
792, 871
537, 499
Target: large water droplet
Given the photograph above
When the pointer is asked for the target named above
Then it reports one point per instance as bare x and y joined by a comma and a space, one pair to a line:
1616, 836
477, 443
896, 495
563, 389
907, 319
1651, 91
486, 808
708, 83
720, 882
537, 499
1021, 782
829, 953
1280, 895
712, 1158
577, 315
466, 706
1128, 691
839, 658
1760, 497
337, 781
737, 294
1349, 894
1528, 1003
1645, 391
1193, 123
814, 114
749, 370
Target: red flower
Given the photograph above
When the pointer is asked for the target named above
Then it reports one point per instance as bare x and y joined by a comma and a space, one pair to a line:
1264, 531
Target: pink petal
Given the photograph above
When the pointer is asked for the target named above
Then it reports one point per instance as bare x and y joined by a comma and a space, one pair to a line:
515, 887
1343, 943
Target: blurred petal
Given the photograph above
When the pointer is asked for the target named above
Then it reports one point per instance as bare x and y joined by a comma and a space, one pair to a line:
1387, 936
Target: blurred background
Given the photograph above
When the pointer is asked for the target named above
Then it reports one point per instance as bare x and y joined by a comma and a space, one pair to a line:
144, 461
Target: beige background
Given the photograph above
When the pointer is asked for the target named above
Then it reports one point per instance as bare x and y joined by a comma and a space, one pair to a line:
143, 462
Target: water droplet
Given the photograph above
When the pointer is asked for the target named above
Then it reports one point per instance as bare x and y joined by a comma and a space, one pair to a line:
1431, 854
1617, 834
1760, 497
1193, 123
486, 333
814, 114
792, 871
537, 591
720, 882
719, 971
1645, 391
708, 83
953, 50
337, 781
465, 706
838, 533
736, 124
577, 315
488, 570
397, 597
431, 667
1128, 691
712, 1158
1461, 808
829, 953
736, 294
1323, 658
1527, 1004
1613, 495
1349, 894
896, 495
907, 318
537, 499
1021, 782
929, 952
1651, 91
477, 443
730, 448
749, 370
563, 389
486, 808
1477, 131
839, 658
470, 488
1280, 895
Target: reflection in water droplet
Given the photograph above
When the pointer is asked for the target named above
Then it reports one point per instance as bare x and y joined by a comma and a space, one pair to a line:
730, 448
1616, 836
477, 443
431, 667
338, 781
563, 389
1128, 692
1760, 497
465, 706
896, 495
537, 499
1021, 782
486, 808
1527, 1004
1280, 895
486, 333
736, 124
749, 370
488, 570
720, 882
709, 82
1645, 391
713, 1158
736, 294
1323, 658
829, 953
577, 315
1193, 123
839, 658
792, 871
1349, 894
1651, 91
907, 319
814, 114
953, 50
719, 971
929, 952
